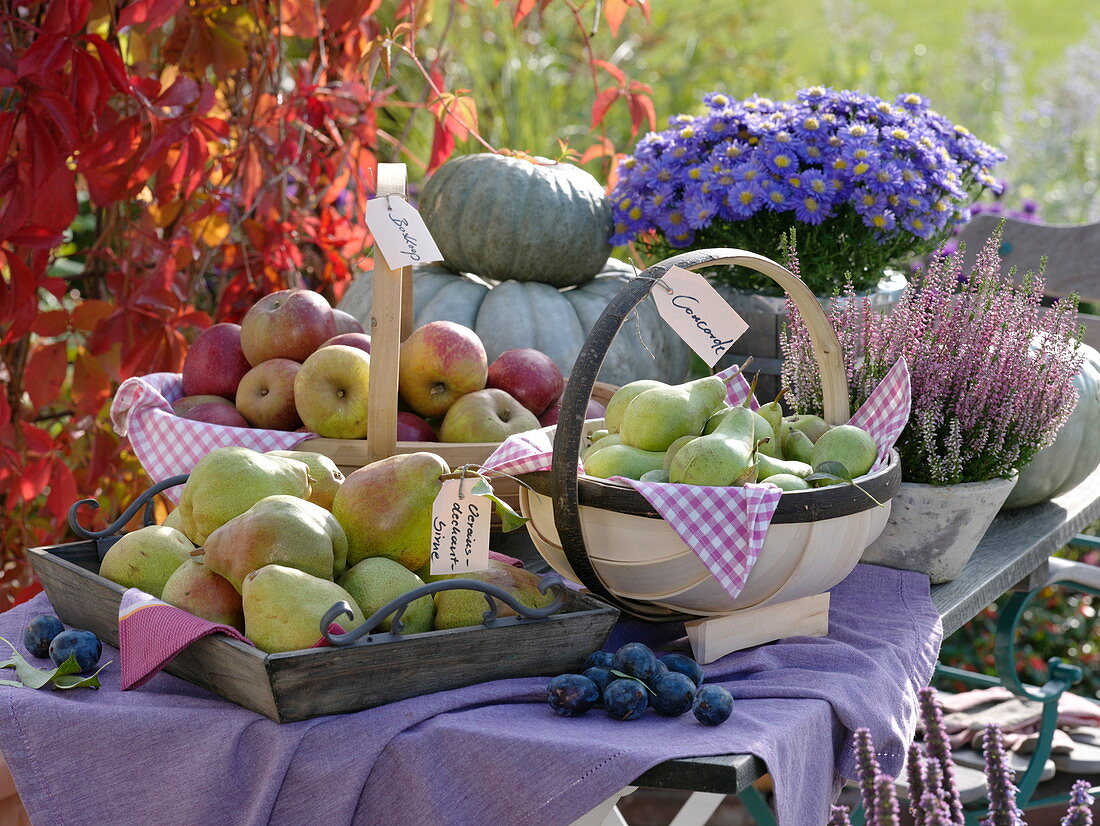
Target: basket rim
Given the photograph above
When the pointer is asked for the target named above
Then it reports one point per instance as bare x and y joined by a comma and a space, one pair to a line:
798, 506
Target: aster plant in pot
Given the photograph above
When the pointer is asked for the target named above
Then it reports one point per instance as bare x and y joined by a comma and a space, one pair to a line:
868, 184
991, 372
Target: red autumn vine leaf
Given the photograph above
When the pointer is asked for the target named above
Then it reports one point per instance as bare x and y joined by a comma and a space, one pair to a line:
32, 480
148, 13
45, 373
91, 385
63, 490
603, 102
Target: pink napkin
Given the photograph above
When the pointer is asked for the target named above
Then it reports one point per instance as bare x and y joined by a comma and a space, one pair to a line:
724, 526
167, 445
152, 632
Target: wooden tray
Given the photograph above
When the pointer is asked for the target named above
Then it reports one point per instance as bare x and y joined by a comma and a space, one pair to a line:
377, 669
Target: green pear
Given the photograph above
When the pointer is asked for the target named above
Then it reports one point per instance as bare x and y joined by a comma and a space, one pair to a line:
283, 608
725, 457
766, 440
596, 435
146, 558
852, 446
198, 590
324, 477
616, 406
670, 454
623, 460
174, 519
385, 508
658, 475
767, 466
798, 447
460, 608
812, 426
772, 413
227, 481
376, 581
658, 417
785, 481
606, 441
278, 530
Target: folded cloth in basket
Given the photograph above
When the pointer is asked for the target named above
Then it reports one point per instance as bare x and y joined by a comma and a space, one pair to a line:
725, 526
167, 445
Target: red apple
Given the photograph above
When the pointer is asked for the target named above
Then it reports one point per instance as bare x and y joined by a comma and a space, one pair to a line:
488, 415
288, 324
331, 392
529, 376
265, 396
412, 428
185, 403
215, 363
219, 412
595, 410
360, 340
346, 322
440, 362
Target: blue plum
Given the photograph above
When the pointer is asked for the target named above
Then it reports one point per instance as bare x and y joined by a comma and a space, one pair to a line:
637, 660
684, 665
40, 632
713, 705
84, 645
602, 659
625, 699
673, 694
601, 677
571, 695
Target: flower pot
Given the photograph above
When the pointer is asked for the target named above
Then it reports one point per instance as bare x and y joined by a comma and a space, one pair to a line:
766, 316
934, 529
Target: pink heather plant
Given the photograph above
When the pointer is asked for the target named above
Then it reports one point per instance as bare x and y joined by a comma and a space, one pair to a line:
991, 369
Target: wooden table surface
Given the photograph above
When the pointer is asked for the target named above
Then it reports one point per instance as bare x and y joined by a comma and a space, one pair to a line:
1015, 548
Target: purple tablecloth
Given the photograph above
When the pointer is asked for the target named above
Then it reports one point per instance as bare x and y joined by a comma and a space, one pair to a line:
492, 753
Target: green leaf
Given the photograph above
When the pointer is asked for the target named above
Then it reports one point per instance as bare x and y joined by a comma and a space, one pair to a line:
509, 519
837, 469
77, 681
12, 683
32, 677
626, 676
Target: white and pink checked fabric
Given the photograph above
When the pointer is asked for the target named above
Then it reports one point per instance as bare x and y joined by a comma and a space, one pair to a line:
167, 445
724, 526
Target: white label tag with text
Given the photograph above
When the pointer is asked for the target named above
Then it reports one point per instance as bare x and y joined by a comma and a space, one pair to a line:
460, 529
698, 314
400, 233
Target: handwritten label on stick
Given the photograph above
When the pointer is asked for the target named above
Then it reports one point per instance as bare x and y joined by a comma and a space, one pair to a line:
698, 314
400, 233
460, 529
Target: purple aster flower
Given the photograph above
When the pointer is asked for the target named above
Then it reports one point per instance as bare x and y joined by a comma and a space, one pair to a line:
742, 200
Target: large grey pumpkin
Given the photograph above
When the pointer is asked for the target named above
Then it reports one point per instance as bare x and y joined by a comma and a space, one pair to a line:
514, 219
556, 322
1076, 450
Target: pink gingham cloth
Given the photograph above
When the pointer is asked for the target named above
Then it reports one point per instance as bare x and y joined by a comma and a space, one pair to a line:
724, 526
166, 444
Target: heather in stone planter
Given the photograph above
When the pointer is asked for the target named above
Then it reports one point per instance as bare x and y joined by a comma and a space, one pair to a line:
992, 375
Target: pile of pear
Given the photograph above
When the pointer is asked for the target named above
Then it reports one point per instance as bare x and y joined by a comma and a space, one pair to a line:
688, 434
267, 542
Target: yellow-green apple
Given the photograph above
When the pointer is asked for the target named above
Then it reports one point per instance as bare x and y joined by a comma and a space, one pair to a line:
440, 362
528, 376
385, 508
360, 340
346, 322
287, 324
488, 415
265, 396
220, 412
331, 392
412, 428
595, 410
215, 363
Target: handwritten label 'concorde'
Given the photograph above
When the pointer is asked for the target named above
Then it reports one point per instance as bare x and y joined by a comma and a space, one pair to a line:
698, 314
460, 529
400, 233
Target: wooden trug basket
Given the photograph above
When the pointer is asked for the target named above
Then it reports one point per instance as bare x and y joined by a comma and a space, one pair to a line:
608, 537
391, 322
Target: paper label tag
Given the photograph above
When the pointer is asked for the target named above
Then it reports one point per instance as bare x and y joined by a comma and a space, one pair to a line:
460, 529
698, 314
400, 232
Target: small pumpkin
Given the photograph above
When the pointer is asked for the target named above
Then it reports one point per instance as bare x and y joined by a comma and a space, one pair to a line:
1075, 452
518, 219
530, 314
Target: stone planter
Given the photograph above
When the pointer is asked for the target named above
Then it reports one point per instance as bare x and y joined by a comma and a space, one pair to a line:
934, 529
766, 315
